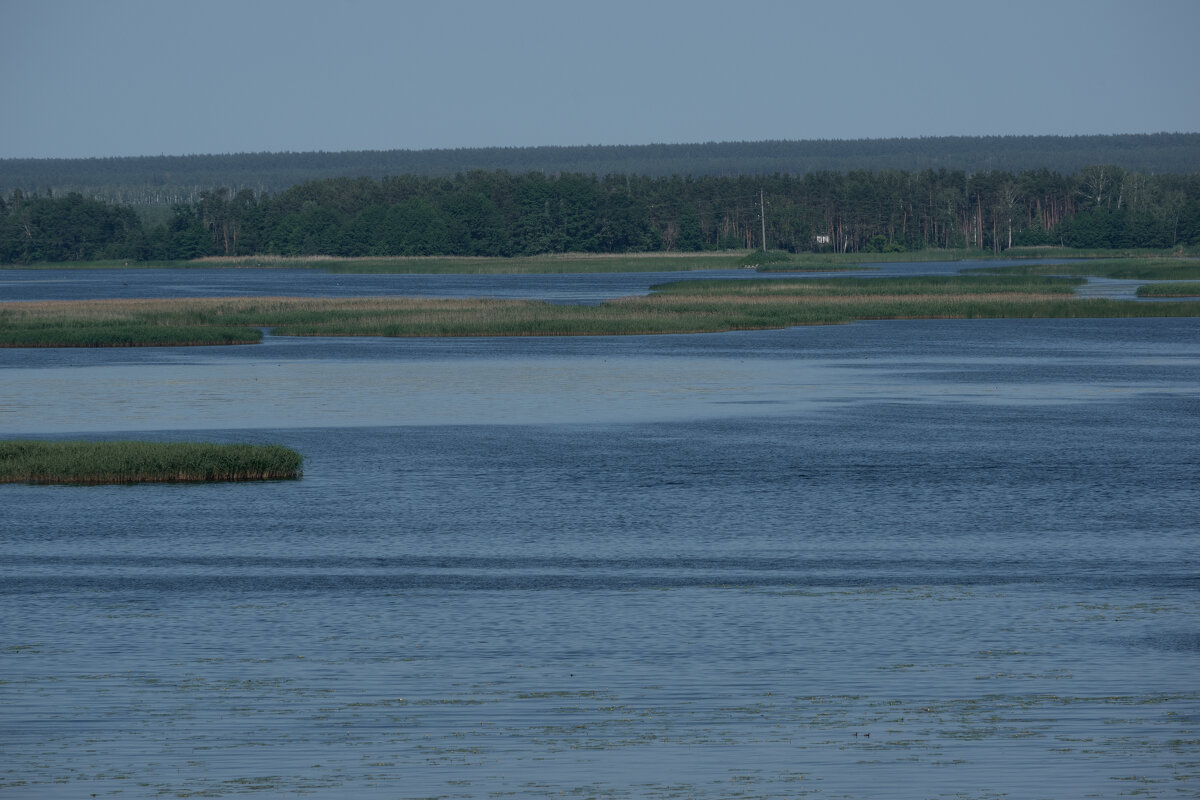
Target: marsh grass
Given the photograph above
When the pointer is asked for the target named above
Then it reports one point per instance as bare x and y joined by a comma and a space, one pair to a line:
924, 285
780, 261
1045, 251
1175, 289
92, 463
1150, 269
118, 323
555, 263
546, 264
130, 335
848, 260
680, 307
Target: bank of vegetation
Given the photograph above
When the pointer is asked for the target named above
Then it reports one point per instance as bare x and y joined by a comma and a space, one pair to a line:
679, 307
547, 264
1173, 289
124, 323
92, 463
1144, 269
504, 214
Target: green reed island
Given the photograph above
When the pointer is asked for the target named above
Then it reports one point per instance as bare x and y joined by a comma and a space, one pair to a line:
688, 306
1173, 289
94, 463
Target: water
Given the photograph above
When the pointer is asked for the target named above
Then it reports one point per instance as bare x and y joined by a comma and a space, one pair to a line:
73, 284
664, 567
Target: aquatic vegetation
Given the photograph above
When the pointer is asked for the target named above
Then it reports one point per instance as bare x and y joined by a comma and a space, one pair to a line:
117, 323
679, 307
128, 336
780, 261
853, 287
548, 264
1173, 289
559, 263
1149, 269
24, 461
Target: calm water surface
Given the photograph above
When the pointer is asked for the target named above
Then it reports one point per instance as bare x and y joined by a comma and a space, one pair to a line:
74, 284
648, 567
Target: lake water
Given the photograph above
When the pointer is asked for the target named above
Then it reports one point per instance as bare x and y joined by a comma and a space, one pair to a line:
73, 284
894, 559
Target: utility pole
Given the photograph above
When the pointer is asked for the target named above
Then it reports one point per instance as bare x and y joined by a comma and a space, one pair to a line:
762, 217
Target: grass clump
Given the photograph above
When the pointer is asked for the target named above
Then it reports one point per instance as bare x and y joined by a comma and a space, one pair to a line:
92, 463
780, 261
762, 259
1174, 289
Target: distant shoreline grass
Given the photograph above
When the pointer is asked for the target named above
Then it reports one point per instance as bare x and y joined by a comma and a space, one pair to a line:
569, 263
1173, 289
92, 332
922, 285
689, 306
95, 463
549, 264
1148, 269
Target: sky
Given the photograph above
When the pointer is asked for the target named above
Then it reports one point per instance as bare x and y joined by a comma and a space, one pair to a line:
98, 78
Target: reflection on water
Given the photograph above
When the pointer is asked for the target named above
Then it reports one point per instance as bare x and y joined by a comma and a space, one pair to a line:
906, 559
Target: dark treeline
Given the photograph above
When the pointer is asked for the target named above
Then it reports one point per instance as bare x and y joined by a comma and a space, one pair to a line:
166, 180
504, 214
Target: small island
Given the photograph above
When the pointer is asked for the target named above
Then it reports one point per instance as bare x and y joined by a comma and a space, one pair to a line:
1171, 289
94, 463
1025, 291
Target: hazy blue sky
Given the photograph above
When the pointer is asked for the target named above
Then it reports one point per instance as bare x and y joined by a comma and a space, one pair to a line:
144, 77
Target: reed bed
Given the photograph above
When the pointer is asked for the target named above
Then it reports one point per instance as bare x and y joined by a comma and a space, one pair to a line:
812, 267
924, 285
1175, 289
682, 307
125, 336
118, 323
1149, 269
94, 463
781, 261
603, 262
554, 263
844, 260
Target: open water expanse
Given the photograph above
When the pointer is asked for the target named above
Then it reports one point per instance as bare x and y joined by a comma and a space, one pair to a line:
914, 559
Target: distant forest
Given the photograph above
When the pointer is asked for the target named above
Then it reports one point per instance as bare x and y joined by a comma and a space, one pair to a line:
500, 213
167, 180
